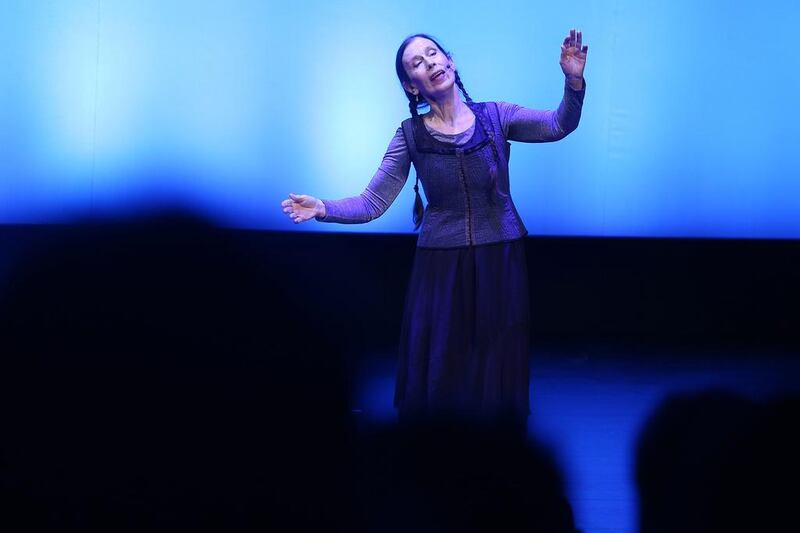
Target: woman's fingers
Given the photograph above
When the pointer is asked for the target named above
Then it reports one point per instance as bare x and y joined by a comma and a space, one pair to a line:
574, 40
568, 42
299, 207
297, 216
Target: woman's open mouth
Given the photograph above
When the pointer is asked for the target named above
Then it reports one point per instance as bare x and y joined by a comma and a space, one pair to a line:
438, 75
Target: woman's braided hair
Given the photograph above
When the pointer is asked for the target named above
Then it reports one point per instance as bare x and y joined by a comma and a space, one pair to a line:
417, 101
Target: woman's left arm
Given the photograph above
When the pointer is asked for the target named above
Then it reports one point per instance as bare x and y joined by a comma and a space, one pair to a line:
533, 125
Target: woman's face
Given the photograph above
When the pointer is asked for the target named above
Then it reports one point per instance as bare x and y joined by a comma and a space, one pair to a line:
430, 71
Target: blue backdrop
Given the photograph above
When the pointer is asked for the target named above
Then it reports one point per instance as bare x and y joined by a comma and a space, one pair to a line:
690, 126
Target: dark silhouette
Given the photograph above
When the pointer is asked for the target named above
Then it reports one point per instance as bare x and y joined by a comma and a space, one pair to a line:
155, 376
439, 475
716, 461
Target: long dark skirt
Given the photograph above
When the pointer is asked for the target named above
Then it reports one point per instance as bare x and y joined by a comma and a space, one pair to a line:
464, 341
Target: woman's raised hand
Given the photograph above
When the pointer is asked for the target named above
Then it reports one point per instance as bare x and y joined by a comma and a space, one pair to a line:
573, 54
302, 207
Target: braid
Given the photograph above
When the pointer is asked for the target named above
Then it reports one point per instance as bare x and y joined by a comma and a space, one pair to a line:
493, 168
489, 132
461, 86
419, 209
412, 106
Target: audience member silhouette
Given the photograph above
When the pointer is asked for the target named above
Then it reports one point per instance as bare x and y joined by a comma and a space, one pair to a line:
716, 461
155, 375
438, 475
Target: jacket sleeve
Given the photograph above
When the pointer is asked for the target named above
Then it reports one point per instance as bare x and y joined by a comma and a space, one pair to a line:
381, 191
533, 125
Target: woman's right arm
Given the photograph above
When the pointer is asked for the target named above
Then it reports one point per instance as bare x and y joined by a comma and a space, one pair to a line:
379, 194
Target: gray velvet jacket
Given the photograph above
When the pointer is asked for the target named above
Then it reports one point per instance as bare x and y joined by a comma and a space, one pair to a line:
465, 206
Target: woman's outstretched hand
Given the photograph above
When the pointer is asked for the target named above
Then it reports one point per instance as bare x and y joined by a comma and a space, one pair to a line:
302, 207
573, 55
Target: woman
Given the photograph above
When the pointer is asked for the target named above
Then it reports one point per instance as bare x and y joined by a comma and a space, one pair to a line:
465, 331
